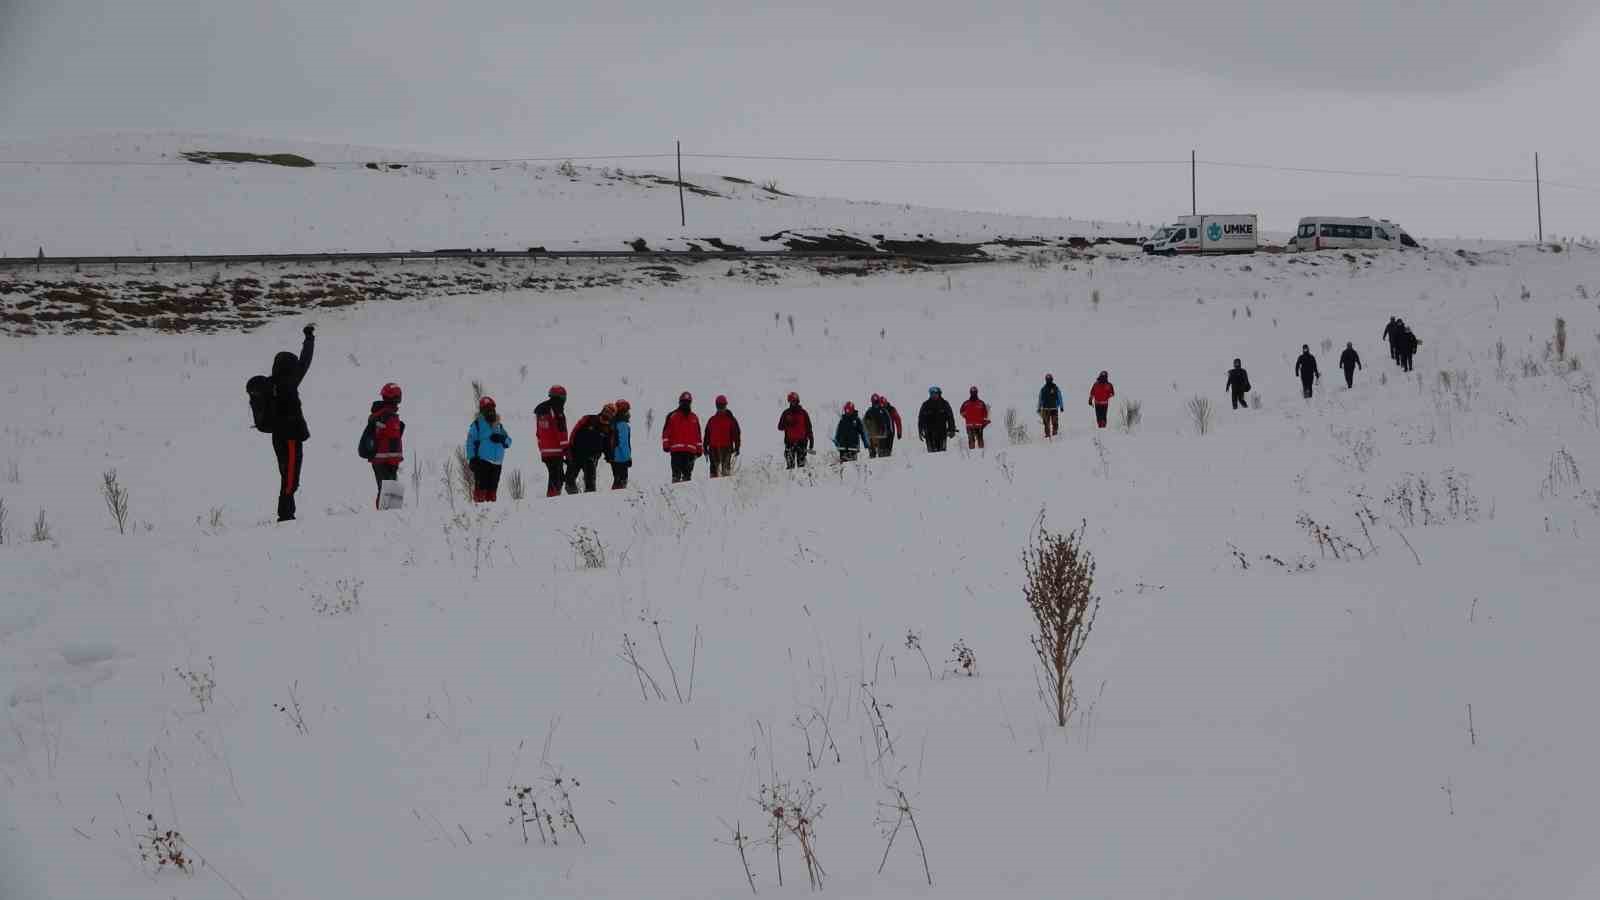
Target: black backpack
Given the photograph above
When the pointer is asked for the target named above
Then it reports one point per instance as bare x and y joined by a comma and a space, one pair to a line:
367, 447
262, 394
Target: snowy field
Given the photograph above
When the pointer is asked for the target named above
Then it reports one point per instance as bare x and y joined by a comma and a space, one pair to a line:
154, 202
1260, 719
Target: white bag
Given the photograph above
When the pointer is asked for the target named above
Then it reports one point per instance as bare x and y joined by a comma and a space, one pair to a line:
391, 495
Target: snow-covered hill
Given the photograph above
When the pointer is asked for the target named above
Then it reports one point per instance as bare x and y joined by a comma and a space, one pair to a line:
139, 194
343, 706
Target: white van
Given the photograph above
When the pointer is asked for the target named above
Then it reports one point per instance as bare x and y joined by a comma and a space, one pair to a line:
1206, 234
1333, 233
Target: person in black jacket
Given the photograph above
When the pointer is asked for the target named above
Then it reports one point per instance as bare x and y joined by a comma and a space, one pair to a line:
936, 421
591, 440
289, 431
1306, 368
1349, 361
1391, 333
1239, 385
1406, 346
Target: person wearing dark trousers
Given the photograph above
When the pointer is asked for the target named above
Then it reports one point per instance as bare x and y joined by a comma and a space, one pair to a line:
486, 451
1100, 398
851, 435
879, 426
1408, 344
975, 413
550, 428
680, 437
591, 441
936, 421
1238, 385
289, 431
621, 455
1391, 335
722, 440
798, 438
1306, 367
1349, 361
388, 436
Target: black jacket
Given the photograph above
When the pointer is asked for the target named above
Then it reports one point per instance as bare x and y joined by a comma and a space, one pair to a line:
849, 435
1349, 359
288, 370
1238, 381
936, 417
591, 438
1306, 365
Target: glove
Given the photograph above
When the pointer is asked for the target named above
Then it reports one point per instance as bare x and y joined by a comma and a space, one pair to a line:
308, 330
497, 438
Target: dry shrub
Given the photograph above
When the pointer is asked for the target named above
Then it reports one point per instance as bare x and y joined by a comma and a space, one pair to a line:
1201, 413
1059, 587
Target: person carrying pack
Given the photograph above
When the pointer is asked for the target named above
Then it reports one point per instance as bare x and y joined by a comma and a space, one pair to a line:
275, 409
486, 451
879, 426
381, 441
591, 441
936, 421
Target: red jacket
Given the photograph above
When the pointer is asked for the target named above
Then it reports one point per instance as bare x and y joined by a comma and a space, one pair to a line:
976, 412
681, 433
550, 425
388, 433
795, 423
722, 431
1101, 393
894, 416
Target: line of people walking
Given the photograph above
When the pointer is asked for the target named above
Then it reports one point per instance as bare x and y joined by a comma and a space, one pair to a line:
571, 455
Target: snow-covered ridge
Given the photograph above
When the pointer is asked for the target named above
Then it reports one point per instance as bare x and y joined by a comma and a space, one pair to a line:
149, 200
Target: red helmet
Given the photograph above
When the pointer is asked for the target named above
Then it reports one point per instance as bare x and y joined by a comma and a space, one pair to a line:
486, 403
849, 407
685, 397
390, 392
973, 390
721, 401
557, 390
623, 406
793, 397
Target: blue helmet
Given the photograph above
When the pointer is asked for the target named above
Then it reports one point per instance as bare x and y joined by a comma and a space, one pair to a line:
934, 391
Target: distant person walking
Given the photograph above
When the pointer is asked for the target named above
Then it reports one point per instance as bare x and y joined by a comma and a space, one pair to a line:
1239, 385
880, 428
722, 439
550, 427
621, 455
680, 437
1391, 334
975, 413
1306, 367
1100, 398
798, 438
288, 420
936, 421
388, 437
851, 435
1050, 406
486, 451
1408, 345
1349, 361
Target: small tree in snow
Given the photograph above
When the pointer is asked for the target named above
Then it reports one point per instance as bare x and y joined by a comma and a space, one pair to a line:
1059, 587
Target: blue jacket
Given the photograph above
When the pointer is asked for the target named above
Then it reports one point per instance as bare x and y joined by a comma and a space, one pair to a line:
480, 447
1050, 397
622, 448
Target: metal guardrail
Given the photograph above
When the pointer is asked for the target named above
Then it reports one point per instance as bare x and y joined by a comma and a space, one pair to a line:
227, 259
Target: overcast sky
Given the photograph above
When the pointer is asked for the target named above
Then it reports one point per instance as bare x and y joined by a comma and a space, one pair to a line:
1469, 87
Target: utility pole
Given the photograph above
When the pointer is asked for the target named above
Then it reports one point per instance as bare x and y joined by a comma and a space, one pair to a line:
1194, 202
683, 215
1538, 196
